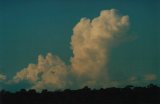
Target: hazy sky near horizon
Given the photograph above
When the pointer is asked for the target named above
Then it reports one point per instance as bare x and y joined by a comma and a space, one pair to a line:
32, 27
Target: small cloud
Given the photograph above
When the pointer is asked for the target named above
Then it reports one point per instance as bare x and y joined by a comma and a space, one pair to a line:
150, 77
133, 78
2, 77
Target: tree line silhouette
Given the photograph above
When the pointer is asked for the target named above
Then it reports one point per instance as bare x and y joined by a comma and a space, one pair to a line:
127, 95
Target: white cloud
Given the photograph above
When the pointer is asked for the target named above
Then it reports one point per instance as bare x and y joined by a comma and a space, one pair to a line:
90, 43
2, 77
150, 77
49, 71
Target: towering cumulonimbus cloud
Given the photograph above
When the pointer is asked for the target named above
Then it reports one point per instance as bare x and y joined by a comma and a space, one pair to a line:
90, 43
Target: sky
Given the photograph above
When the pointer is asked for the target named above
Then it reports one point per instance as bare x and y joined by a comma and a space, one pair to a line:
40, 37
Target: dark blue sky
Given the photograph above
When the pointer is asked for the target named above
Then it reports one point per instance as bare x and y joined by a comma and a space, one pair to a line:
32, 27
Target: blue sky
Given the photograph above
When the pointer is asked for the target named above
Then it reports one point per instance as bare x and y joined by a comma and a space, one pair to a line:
32, 27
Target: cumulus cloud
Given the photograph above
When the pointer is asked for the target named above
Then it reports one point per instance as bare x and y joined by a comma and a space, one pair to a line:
141, 80
2, 77
49, 71
150, 77
90, 43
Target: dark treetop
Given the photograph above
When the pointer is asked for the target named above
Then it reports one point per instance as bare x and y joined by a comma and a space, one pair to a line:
126, 95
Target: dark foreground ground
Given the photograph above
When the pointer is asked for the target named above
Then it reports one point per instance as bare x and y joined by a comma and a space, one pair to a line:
127, 95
